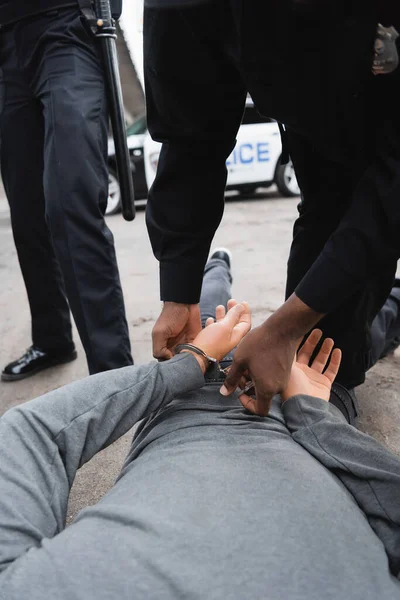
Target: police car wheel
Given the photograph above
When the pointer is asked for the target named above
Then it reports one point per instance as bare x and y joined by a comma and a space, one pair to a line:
114, 194
286, 180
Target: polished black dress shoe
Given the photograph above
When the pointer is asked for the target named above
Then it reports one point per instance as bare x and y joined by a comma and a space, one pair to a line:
33, 361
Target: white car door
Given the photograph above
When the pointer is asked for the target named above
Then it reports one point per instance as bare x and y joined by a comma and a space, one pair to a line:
256, 154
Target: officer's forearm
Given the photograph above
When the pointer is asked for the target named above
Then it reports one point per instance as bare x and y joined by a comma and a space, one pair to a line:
294, 318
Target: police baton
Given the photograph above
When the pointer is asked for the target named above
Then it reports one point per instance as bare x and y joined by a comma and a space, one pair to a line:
105, 32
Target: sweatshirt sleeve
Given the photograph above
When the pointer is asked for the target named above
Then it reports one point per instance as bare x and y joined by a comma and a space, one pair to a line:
369, 471
44, 442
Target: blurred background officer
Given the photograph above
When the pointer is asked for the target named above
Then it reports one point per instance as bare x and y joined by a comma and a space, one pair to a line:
54, 128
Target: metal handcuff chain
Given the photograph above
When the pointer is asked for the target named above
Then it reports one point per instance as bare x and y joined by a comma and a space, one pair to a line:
214, 362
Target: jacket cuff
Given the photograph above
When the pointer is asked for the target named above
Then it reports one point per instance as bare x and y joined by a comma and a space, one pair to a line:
326, 286
304, 411
183, 374
181, 283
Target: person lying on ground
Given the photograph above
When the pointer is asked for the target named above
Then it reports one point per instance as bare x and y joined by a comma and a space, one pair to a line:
212, 500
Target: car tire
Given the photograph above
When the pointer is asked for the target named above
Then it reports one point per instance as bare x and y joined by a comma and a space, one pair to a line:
114, 194
286, 181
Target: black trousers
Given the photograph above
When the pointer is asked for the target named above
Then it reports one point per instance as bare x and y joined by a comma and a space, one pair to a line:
53, 129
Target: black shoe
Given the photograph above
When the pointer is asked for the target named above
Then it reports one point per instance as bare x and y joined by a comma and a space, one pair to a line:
33, 361
346, 401
223, 254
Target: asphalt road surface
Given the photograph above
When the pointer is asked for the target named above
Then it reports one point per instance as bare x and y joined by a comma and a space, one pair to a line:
258, 231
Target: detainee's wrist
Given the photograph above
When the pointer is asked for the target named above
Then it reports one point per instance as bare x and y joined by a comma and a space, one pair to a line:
203, 362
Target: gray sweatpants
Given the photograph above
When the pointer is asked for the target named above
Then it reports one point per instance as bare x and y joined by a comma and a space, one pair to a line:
216, 288
385, 329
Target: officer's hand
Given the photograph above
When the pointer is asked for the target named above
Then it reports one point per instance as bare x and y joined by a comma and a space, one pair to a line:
265, 356
177, 324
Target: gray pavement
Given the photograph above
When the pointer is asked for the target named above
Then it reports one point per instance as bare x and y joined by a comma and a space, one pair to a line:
258, 232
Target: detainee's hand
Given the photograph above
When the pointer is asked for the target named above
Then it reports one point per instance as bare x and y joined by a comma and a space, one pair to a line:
224, 333
177, 324
316, 379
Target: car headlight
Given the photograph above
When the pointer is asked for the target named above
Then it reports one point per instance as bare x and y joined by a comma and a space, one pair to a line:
154, 160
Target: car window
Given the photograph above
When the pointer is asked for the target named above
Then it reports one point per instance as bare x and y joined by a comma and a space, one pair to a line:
251, 115
139, 126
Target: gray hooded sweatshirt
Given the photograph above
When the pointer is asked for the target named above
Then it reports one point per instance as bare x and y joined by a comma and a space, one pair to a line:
212, 502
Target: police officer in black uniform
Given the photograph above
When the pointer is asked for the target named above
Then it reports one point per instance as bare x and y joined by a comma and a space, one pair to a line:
308, 64
54, 128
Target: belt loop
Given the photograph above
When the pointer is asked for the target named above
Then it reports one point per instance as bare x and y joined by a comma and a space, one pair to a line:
87, 11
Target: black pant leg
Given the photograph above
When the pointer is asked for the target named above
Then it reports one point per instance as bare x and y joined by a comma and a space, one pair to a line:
69, 82
22, 135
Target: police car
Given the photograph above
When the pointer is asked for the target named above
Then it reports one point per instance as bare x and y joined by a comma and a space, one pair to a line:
255, 161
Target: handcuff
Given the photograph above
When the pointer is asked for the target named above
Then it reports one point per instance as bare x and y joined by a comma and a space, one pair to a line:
214, 371
196, 350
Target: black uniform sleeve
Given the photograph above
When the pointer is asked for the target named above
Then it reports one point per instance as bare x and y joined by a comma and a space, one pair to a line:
195, 100
184, 209
389, 13
367, 238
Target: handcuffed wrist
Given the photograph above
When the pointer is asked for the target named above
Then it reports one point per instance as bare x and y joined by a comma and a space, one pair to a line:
198, 353
203, 362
